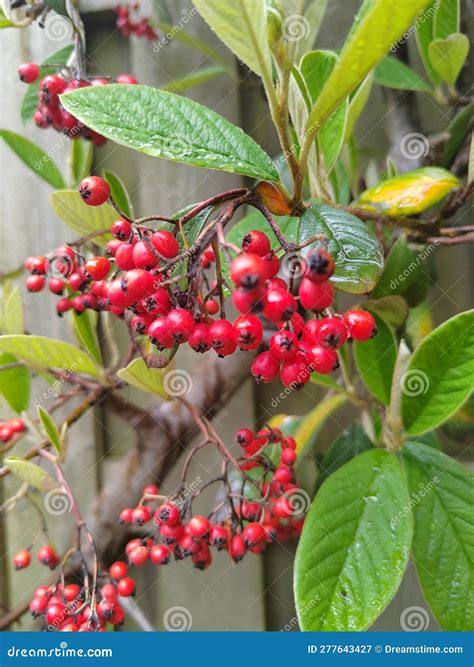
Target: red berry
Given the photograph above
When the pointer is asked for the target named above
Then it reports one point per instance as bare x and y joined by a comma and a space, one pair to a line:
361, 324
288, 456
244, 437
280, 305
283, 474
70, 592
256, 242
253, 534
63, 305
199, 526
157, 303
97, 268
124, 256
38, 605
331, 332
159, 334
265, 367
319, 266
171, 534
141, 515
168, 514
160, 555
94, 190
295, 373
247, 270
284, 345
28, 72
138, 556
165, 243
121, 229
56, 614
151, 490
17, 425
137, 284
315, 296
237, 547
126, 78
48, 556
126, 587
248, 332
143, 256
199, 338
324, 360
22, 559
125, 515
249, 300
36, 265
180, 324
222, 337
271, 265
109, 591
211, 306
35, 283
56, 285
202, 558
118, 570
218, 537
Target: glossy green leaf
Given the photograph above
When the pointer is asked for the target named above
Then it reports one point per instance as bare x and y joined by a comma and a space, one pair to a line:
83, 219
447, 56
84, 327
425, 35
443, 540
393, 73
14, 383
12, 316
31, 473
30, 100
347, 446
44, 353
169, 126
410, 193
440, 375
311, 423
119, 193
350, 558
316, 68
242, 26
197, 77
81, 156
458, 129
375, 360
378, 30
34, 158
139, 375
406, 272
50, 428
355, 248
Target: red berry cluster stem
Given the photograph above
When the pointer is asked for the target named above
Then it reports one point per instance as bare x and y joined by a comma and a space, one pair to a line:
130, 22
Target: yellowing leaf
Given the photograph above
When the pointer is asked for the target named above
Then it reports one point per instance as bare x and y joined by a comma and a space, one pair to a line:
447, 56
410, 193
310, 425
139, 375
69, 207
31, 473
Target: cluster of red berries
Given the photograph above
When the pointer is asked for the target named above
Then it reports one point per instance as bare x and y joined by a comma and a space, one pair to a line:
249, 525
129, 22
50, 112
46, 555
10, 427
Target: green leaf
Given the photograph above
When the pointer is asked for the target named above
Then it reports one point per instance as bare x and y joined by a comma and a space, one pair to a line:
350, 560
195, 78
410, 193
406, 272
81, 156
119, 193
30, 100
242, 26
443, 540
356, 250
393, 73
425, 35
375, 360
458, 129
139, 375
447, 56
85, 331
165, 125
34, 158
14, 383
314, 16
392, 309
46, 353
31, 473
347, 446
59, 6
379, 29
83, 219
357, 104
4, 21
12, 316
326, 381
447, 18
440, 375
311, 423
316, 68
50, 428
